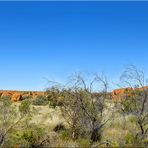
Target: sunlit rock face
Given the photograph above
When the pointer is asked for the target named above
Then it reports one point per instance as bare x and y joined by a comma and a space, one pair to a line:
122, 93
19, 95
16, 97
117, 94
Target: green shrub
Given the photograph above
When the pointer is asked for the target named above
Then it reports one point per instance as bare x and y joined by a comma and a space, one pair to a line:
115, 144
5, 97
31, 137
146, 142
40, 100
26, 97
65, 135
24, 107
84, 142
129, 138
52, 103
132, 119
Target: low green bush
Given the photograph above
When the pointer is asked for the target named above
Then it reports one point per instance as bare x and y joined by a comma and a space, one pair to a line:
52, 103
129, 138
5, 97
40, 100
65, 135
24, 107
26, 97
31, 137
83, 142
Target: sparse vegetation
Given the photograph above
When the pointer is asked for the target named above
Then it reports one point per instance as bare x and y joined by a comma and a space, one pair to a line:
79, 115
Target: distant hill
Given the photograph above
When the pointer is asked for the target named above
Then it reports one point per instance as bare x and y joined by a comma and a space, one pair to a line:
15, 95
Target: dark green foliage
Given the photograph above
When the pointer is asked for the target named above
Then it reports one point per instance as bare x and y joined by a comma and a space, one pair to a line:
55, 97
5, 98
65, 134
40, 100
28, 136
26, 97
53, 102
129, 138
51, 99
59, 127
24, 107
32, 136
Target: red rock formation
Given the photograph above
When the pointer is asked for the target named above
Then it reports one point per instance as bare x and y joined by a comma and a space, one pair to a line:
16, 97
6, 94
119, 94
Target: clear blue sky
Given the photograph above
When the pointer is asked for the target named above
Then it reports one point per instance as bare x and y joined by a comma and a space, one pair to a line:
56, 39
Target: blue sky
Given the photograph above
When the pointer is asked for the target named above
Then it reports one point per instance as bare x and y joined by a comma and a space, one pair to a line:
55, 39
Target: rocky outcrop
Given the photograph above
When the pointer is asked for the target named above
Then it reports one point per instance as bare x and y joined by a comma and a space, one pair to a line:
121, 93
6, 94
117, 94
20, 95
16, 97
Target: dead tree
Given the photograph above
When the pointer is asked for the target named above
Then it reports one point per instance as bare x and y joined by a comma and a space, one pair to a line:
83, 107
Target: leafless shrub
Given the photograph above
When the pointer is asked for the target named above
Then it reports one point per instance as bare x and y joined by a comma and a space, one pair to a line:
137, 103
82, 107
